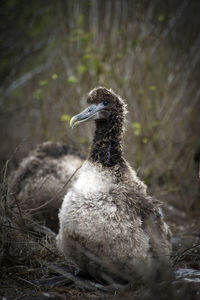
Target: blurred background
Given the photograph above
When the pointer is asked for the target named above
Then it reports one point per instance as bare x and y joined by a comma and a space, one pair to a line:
54, 52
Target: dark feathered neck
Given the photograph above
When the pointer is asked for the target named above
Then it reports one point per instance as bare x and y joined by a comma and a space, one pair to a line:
107, 143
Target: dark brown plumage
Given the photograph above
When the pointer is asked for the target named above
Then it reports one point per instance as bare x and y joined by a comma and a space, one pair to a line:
107, 142
39, 183
107, 220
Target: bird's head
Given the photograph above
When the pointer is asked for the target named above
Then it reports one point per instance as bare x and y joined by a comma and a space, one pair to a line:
104, 105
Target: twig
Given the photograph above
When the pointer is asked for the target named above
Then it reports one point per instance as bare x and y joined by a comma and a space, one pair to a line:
29, 282
178, 256
46, 247
13, 154
23, 79
21, 229
22, 296
19, 209
4, 186
5, 172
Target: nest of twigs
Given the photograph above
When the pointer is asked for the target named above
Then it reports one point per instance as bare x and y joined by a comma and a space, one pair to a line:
23, 241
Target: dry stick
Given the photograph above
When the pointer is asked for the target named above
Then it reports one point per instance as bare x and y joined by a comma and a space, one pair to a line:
41, 244
27, 281
5, 172
19, 209
22, 296
23, 79
13, 154
21, 229
4, 184
4, 190
53, 198
30, 232
178, 256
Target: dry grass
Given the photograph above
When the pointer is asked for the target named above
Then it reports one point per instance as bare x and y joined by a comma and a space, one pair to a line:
23, 241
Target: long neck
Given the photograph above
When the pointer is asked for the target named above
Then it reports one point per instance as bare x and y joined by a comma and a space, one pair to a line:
107, 143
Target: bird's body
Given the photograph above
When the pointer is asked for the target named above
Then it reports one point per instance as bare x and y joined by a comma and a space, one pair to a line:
107, 219
40, 181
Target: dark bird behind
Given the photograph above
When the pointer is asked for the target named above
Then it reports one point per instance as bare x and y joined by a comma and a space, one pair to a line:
40, 181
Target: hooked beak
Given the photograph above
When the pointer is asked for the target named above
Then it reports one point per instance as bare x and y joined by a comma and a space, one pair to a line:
90, 113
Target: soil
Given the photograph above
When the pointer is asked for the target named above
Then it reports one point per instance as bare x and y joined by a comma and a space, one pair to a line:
19, 278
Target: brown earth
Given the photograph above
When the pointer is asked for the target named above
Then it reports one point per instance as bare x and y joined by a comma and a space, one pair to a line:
29, 254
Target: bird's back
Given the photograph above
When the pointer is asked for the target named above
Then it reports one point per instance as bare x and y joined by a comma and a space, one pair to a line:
39, 183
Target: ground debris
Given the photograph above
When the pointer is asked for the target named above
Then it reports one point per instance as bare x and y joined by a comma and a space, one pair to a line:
32, 268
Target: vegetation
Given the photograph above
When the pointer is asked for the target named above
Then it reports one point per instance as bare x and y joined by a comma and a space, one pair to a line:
54, 52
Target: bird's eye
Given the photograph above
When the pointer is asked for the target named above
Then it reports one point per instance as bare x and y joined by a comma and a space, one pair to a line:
105, 102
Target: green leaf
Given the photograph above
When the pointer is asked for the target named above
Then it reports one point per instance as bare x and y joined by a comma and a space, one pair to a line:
72, 79
119, 55
38, 95
88, 49
97, 65
80, 20
134, 43
87, 56
10, 3
152, 88
144, 140
43, 82
65, 118
54, 76
83, 140
161, 17
82, 69
137, 128
148, 104
155, 123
